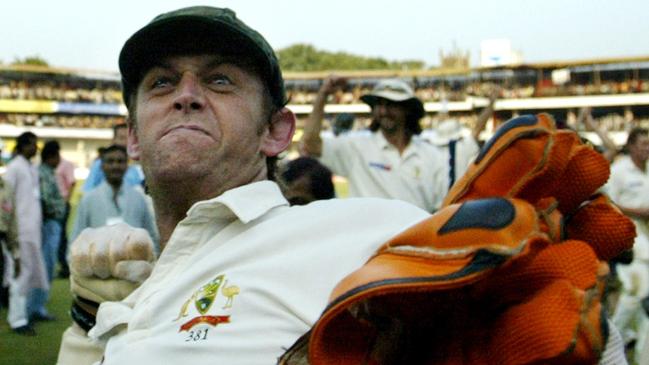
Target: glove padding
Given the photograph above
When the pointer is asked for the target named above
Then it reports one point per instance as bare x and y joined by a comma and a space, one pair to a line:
528, 158
481, 283
108, 263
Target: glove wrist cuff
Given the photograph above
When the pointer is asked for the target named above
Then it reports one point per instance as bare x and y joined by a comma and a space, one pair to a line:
84, 312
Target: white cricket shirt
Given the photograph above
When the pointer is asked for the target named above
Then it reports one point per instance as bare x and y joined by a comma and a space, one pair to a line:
243, 276
375, 168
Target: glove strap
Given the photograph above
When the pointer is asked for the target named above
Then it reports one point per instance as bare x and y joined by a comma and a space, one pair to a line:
84, 313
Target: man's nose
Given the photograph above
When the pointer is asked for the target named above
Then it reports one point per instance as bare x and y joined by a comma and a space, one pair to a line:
380, 109
190, 96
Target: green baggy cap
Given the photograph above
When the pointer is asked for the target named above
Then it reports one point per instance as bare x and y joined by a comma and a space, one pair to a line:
197, 30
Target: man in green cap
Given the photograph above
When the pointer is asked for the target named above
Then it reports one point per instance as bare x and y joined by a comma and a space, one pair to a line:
242, 276
206, 101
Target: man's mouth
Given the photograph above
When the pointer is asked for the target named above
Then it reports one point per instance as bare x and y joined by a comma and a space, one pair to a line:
186, 127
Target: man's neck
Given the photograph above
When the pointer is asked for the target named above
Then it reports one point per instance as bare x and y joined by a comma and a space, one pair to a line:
172, 201
173, 198
115, 186
25, 157
399, 138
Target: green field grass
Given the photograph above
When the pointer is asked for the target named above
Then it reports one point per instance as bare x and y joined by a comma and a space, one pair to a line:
42, 349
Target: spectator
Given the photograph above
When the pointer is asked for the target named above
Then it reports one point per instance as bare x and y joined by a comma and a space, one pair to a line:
10, 248
113, 201
133, 176
458, 147
22, 177
392, 161
342, 123
304, 180
52, 203
4, 283
66, 181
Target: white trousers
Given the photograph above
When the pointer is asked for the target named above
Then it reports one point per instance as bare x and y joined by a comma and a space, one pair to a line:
17, 314
633, 322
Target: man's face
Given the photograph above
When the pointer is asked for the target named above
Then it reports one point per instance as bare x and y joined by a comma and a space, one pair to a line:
53, 161
29, 150
639, 150
197, 118
114, 164
391, 116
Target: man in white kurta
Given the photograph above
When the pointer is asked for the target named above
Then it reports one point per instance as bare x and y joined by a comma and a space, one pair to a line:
22, 176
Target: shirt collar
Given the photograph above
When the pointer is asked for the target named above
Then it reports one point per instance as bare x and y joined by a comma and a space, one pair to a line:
247, 203
380, 140
631, 166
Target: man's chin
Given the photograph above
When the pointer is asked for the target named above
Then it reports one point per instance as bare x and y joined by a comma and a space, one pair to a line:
388, 127
179, 174
115, 179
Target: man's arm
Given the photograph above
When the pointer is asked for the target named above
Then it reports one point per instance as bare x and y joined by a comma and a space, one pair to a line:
586, 118
485, 115
311, 143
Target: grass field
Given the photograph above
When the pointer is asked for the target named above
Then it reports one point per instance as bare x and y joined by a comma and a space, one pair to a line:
42, 349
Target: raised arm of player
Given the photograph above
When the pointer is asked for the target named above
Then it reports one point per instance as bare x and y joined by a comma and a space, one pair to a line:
311, 143
485, 115
586, 118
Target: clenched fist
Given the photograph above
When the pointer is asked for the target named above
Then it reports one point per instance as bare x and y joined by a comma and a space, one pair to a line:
107, 263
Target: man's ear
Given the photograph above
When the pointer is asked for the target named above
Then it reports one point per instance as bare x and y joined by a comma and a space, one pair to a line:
133, 145
280, 133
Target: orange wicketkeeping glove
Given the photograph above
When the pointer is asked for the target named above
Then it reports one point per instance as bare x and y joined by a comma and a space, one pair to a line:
508, 272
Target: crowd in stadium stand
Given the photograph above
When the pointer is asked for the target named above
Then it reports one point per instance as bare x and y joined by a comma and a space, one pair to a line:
301, 92
59, 91
459, 92
109, 93
60, 120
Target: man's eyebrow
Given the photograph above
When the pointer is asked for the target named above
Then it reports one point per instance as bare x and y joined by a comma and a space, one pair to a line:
161, 64
220, 61
167, 65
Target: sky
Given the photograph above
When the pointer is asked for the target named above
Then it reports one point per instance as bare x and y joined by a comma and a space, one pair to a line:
89, 34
